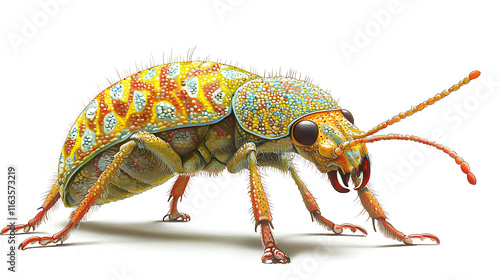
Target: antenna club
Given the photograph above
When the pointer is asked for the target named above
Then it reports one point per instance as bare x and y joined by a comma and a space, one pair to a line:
474, 74
471, 178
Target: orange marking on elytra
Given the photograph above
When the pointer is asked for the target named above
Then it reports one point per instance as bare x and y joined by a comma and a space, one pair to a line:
104, 109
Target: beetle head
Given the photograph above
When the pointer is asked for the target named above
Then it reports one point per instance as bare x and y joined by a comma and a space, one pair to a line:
317, 136
330, 140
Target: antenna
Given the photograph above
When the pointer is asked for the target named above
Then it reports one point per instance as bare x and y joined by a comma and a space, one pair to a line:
473, 75
368, 138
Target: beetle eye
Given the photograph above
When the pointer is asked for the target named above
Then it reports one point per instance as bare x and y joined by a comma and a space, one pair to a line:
347, 115
305, 133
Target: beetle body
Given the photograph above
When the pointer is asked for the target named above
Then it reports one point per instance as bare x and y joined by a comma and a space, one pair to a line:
189, 117
178, 102
187, 105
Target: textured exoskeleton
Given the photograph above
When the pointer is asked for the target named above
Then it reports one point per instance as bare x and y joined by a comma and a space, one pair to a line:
187, 117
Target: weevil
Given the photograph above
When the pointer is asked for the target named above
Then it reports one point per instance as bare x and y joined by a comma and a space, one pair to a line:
181, 119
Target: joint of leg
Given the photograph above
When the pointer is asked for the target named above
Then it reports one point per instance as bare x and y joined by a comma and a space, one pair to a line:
264, 222
270, 244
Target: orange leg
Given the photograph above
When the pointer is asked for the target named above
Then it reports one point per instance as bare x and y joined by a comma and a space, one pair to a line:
313, 208
176, 193
246, 154
284, 164
50, 200
89, 200
271, 253
373, 208
262, 214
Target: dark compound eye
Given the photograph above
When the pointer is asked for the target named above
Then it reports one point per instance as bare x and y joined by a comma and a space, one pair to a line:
347, 115
305, 133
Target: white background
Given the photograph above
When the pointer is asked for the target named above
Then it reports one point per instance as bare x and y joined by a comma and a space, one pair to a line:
405, 52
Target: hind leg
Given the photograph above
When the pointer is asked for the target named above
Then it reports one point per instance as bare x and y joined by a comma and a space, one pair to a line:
176, 193
50, 201
93, 193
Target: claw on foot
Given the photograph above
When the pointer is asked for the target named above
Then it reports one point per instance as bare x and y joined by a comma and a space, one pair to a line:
41, 240
338, 229
179, 217
274, 255
393, 233
30, 225
25, 228
408, 238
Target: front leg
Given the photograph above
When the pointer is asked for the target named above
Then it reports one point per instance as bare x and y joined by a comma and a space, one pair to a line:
313, 208
283, 162
375, 211
246, 157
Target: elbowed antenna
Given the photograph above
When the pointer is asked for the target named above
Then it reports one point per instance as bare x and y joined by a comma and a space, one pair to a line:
368, 138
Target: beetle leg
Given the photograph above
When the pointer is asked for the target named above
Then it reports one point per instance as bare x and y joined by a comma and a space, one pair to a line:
313, 208
246, 156
89, 200
284, 163
271, 253
50, 201
160, 148
375, 211
176, 193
